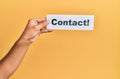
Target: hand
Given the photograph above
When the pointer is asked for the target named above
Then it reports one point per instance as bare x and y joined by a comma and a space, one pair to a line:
11, 61
34, 28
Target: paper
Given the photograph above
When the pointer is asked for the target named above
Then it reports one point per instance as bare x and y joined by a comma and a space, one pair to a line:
70, 22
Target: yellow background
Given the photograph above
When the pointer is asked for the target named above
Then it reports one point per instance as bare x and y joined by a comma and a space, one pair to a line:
65, 54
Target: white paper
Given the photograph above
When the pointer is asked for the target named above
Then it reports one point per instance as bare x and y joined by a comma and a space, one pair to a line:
70, 22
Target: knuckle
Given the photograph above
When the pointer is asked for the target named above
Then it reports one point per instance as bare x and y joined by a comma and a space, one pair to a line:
31, 19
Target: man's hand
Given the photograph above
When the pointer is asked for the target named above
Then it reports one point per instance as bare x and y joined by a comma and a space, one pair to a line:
34, 28
12, 60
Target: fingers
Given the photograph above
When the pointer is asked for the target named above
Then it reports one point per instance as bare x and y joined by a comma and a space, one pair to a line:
43, 24
35, 21
39, 20
45, 30
43, 27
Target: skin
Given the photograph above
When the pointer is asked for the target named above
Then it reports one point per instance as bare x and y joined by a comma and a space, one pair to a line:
34, 28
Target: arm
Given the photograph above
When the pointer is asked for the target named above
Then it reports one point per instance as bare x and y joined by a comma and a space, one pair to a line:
11, 61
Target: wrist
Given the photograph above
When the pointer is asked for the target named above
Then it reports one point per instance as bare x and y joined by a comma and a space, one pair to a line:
23, 42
